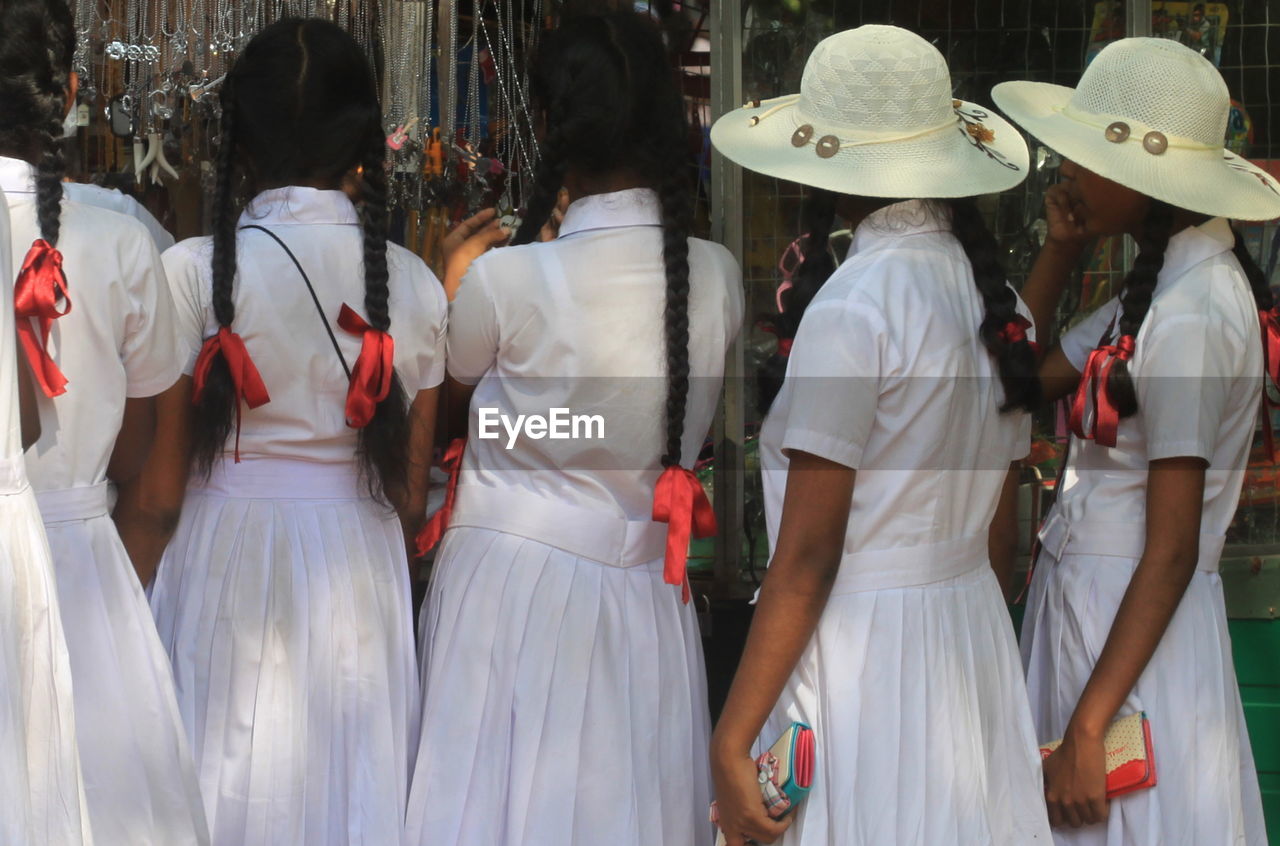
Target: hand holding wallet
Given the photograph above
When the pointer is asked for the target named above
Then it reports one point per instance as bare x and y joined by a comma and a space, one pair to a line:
786, 773
1130, 764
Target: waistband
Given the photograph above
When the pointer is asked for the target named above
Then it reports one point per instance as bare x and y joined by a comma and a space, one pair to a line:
69, 504
1060, 537
13, 475
910, 566
281, 478
585, 532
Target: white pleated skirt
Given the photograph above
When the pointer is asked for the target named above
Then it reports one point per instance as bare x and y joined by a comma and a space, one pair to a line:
41, 793
919, 710
139, 779
1207, 791
283, 603
564, 702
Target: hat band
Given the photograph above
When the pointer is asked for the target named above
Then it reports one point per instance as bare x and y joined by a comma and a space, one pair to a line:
783, 102
1172, 142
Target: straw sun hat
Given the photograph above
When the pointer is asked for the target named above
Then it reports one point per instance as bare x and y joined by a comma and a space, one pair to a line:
875, 117
1151, 115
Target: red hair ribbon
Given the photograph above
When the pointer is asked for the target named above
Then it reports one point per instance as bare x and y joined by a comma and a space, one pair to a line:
245, 378
1093, 385
784, 346
681, 503
40, 286
439, 522
1015, 332
1270, 321
371, 377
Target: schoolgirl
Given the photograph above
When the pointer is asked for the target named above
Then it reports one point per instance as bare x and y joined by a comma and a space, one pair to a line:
887, 464
39, 763
1126, 613
564, 694
283, 599
97, 367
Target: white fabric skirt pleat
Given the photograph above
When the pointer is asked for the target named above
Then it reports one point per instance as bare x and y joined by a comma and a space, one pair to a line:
920, 715
1207, 791
41, 793
139, 778
564, 702
289, 627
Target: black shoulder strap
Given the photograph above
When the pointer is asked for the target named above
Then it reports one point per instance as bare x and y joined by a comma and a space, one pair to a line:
319, 308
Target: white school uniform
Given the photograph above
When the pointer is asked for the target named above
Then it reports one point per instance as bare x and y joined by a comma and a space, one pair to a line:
911, 682
564, 693
118, 201
41, 790
117, 341
284, 598
1197, 367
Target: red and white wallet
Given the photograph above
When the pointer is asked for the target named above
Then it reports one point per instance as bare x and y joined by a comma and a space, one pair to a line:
786, 773
1130, 764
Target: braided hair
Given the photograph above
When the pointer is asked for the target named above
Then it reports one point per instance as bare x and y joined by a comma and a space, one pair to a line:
1015, 356
300, 107
1016, 359
37, 43
611, 102
1135, 299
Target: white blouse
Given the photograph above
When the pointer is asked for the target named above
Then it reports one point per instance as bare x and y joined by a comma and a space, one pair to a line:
577, 324
887, 375
281, 326
11, 424
1197, 369
117, 342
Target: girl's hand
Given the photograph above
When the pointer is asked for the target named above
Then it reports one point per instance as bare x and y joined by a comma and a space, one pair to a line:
1068, 227
1075, 781
551, 229
469, 240
743, 817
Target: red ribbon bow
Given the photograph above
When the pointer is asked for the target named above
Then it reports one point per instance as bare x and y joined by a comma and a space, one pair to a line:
40, 286
1270, 321
1093, 385
245, 378
681, 503
439, 522
1015, 332
371, 377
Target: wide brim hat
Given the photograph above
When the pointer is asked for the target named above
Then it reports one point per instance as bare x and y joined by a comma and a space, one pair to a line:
875, 118
1150, 114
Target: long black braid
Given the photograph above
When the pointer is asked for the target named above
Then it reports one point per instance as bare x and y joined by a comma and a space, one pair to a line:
1262, 294
1135, 299
300, 107
611, 103
1015, 357
37, 43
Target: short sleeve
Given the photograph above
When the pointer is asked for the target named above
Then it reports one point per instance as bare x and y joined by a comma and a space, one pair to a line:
472, 346
1185, 366
433, 370
1083, 338
188, 289
833, 380
149, 350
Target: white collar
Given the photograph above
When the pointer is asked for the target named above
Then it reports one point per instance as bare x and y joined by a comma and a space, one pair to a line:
17, 176
631, 207
909, 217
296, 205
1194, 245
